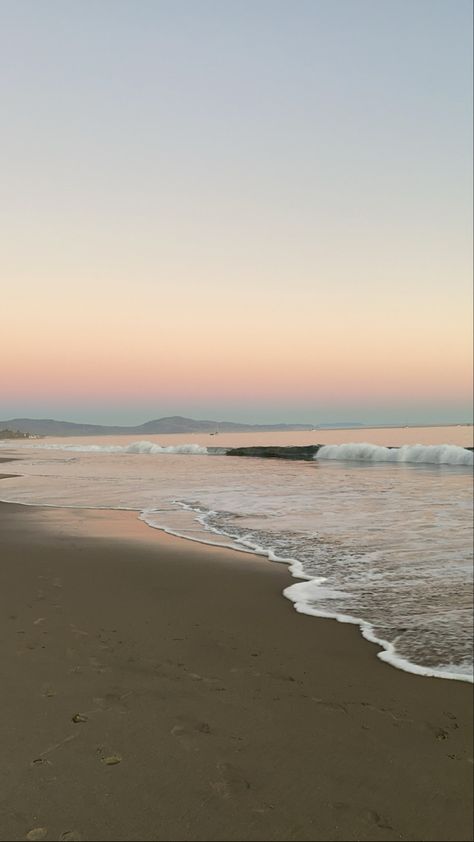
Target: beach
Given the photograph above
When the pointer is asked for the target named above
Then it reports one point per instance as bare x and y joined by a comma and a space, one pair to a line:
158, 689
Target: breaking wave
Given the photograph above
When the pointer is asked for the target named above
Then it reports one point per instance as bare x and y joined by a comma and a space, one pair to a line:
147, 447
439, 454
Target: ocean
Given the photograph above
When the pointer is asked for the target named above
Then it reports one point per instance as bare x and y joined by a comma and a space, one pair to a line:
377, 537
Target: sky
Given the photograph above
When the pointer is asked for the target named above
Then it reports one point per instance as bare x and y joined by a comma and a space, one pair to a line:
256, 211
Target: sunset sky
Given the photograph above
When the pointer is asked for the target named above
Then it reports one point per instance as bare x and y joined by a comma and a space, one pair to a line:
241, 210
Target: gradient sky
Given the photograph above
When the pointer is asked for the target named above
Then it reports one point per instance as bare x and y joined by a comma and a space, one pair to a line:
245, 210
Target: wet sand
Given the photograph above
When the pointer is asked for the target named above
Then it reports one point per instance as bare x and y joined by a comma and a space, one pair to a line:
209, 709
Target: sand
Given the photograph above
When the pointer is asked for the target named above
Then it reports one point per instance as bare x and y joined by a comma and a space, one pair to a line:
208, 708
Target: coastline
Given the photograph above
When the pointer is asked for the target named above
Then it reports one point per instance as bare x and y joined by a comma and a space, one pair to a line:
234, 716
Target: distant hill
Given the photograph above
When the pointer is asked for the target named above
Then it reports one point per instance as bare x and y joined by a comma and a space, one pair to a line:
339, 425
173, 424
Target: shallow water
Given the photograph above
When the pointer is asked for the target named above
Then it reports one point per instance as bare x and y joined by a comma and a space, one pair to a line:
385, 544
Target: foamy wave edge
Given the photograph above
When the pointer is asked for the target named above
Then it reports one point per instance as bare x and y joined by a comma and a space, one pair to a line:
145, 447
435, 454
388, 653
295, 568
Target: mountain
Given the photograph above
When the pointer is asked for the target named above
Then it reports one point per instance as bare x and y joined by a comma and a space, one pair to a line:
173, 424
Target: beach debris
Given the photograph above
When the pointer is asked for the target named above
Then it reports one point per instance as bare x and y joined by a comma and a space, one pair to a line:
112, 760
36, 834
70, 836
40, 761
79, 717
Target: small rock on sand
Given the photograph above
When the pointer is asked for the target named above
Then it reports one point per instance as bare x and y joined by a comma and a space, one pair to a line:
112, 760
36, 834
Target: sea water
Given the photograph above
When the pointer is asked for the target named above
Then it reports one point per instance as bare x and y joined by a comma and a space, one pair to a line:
373, 536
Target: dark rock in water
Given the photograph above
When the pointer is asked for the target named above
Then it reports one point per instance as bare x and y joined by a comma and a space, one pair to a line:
305, 452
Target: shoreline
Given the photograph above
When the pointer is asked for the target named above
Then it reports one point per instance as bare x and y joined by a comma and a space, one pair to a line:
230, 715
386, 650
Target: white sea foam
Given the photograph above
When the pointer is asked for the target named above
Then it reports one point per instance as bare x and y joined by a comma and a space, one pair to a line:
304, 596
442, 454
421, 623
146, 447
439, 454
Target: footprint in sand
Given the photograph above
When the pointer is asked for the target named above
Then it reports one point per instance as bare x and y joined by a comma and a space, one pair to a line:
70, 836
381, 821
454, 724
113, 701
40, 761
189, 732
97, 666
232, 782
441, 734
